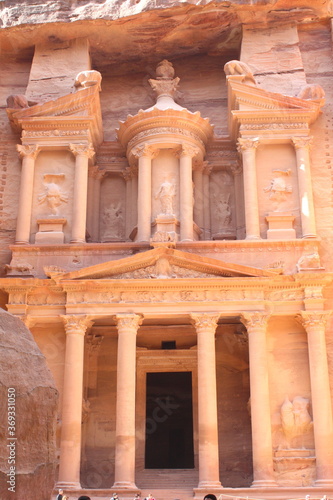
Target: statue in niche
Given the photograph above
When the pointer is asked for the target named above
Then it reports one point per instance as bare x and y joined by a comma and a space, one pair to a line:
223, 211
53, 194
113, 221
278, 188
166, 195
296, 420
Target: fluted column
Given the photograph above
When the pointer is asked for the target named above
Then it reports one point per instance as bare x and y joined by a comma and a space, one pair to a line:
205, 325
28, 154
262, 448
145, 154
206, 200
186, 154
302, 147
71, 417
198, 168
128, 217
315, 325
82, 153
127, 325
247, 148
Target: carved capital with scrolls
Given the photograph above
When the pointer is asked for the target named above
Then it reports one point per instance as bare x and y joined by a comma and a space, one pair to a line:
145, 150
186, 150
76, 324
205, 322
313, 319
246, 144
128, 322
28, 150
95, 172
302, 142
82, 150
255, 320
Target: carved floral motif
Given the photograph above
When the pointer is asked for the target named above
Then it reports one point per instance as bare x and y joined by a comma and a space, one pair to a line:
248, 143
205, 321
76, 324
128, 322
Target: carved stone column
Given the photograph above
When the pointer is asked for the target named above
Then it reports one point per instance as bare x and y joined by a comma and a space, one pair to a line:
127, 325
198, 169
239, 200
134, 216
315, 325
205, 325
28, 154
247, 148
128, 218
302, 147
145, 154
70, 446
262, 448
186, 154
206, 197
82, 153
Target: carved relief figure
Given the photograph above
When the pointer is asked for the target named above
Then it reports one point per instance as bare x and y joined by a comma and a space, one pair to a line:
278, 188
53, 195
295, 418
309, 261
166, 195
113, 221
223, 211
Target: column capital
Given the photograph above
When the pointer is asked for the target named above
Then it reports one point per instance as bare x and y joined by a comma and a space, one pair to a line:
186, 150
236, 169
302, 142
254, 319
128, 321
205, 321
315, 319
95, 173
76, 324
147, 150
127, 174
198, 166
82, 150
31, 150
243, 144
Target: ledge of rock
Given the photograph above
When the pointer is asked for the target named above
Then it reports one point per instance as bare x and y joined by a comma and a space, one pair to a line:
24, 376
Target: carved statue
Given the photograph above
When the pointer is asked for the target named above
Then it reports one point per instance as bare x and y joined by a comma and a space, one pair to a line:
88, 79
278, 188
166, 194
223, 211
113, 221
295, 418
18, 101
312, 91
309, 261
239, 68
53, 194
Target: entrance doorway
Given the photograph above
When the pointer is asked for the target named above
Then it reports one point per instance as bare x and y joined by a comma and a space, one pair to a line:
169, 421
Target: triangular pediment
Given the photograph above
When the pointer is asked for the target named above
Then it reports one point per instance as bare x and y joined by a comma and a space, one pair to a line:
161, 263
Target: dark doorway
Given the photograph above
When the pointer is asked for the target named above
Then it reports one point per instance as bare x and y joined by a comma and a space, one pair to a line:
169, 421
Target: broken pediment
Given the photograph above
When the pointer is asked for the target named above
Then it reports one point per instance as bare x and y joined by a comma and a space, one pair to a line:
254, 108
160, 263
75, 115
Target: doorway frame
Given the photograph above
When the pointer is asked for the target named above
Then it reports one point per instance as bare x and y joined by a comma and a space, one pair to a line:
154, 361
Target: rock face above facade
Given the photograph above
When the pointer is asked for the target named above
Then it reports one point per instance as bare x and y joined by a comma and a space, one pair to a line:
27, 384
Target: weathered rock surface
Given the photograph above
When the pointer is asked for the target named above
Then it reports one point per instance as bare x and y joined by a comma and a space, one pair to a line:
24, 373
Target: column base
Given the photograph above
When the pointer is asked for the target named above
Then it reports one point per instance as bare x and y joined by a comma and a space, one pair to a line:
204, 485
252, 237
125, 485
324, 483
309, 236
77, 241
264, 483
22, 242
68, 485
